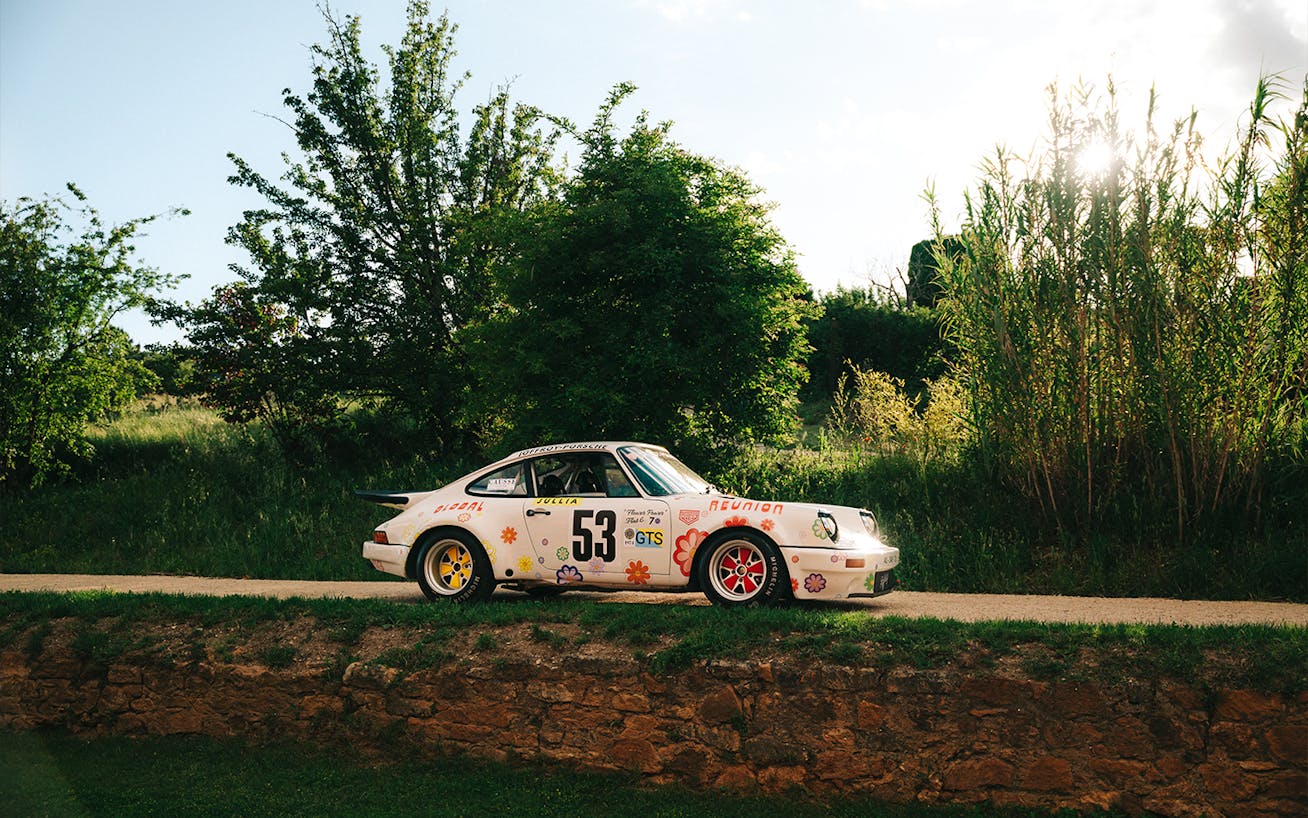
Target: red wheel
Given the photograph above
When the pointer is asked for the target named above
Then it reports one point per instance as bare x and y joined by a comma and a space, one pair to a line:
741, 569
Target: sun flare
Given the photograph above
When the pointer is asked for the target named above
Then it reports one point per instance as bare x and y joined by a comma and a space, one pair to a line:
1095, 158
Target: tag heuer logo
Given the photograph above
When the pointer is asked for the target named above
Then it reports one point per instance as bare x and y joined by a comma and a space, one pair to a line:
689, 517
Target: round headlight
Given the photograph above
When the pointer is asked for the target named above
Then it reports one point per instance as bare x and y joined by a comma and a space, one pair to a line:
829, 524
869, 522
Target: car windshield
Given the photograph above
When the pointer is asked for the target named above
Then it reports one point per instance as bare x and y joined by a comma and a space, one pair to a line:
660, 474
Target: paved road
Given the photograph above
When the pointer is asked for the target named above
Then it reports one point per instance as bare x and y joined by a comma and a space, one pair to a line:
964, 607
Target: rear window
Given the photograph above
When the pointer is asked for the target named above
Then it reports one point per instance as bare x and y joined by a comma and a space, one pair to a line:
509, 481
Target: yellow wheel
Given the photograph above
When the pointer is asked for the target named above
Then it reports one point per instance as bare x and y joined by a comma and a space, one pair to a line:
453, 566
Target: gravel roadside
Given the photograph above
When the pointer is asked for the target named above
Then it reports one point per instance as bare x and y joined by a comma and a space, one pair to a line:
962, 607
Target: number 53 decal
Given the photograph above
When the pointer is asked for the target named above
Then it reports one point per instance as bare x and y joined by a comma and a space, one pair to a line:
594, 538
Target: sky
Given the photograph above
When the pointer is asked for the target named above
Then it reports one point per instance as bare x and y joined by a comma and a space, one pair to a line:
843, 111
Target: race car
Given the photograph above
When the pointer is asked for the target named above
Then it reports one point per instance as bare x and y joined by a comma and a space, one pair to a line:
622, 516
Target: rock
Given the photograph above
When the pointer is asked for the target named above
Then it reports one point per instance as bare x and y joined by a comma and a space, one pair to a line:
871, 716
737, 778
975, 773
1048, 774
1248, 706
635, 754
720, 707
1289, 742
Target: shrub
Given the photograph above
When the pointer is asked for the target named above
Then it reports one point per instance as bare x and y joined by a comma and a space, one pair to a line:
874, 409
1131, 335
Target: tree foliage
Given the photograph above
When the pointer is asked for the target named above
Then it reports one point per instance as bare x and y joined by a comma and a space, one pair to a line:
859, 328
923, 287
380, 244
654, 302
63, 364
255, 357
1137, 334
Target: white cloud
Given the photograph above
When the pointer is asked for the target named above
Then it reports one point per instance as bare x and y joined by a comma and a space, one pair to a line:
1265, 34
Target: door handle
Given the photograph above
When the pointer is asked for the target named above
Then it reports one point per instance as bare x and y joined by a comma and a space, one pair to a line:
531, 512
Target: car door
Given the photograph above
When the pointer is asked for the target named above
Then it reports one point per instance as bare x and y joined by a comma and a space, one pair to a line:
597, 539
585, 534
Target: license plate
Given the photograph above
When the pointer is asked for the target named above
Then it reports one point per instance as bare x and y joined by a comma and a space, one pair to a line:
885, 580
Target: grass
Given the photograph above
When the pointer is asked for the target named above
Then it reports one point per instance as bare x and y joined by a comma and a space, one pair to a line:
177, 491
959, 531
173, 489
54, 774
670, 638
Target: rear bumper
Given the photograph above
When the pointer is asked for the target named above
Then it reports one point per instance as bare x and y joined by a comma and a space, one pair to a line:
388, 558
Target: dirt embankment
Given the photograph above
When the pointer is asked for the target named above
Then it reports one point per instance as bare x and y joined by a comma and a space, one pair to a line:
986, 727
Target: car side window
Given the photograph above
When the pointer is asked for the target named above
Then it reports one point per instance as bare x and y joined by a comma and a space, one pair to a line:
581, 474
616, 478
551, 474
510, 481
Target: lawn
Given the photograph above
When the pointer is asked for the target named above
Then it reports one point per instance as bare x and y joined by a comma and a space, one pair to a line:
55, 774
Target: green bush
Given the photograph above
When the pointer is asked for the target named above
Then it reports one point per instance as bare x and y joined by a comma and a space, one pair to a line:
872, 409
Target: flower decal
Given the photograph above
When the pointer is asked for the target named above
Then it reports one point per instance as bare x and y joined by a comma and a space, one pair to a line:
767, 525
508, 535
686, 545
818, 530
794, 585
596, 566
561, 553
567, 574
814, 583
735, 521
871, 582
490, 553
524, 564
637, 572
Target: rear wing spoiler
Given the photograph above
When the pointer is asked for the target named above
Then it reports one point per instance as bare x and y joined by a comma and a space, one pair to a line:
391, 499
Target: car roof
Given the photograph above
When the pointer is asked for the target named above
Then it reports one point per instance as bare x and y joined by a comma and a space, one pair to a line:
589, 446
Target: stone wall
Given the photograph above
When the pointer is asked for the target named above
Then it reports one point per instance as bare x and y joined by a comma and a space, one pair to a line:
953, 734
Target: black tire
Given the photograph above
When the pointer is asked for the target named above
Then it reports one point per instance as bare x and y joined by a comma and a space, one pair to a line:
741, 569
452, 567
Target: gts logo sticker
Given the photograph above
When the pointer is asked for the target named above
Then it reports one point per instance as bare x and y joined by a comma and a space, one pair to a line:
649, 538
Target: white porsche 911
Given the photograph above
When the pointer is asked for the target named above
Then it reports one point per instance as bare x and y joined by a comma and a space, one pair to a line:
622, 516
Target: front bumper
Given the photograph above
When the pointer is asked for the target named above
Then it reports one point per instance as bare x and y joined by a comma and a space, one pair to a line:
834, 573
388, 558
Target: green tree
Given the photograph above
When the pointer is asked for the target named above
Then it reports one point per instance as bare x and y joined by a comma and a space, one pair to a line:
655, 301
173, 365
924, 288
63, 364
257, 363
382, 242
860, 328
